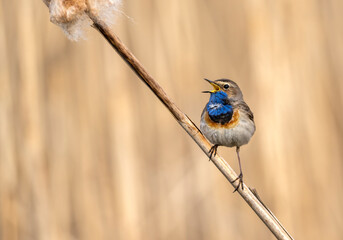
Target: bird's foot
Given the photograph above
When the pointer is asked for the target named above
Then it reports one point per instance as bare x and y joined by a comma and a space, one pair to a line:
213, 151
240, 182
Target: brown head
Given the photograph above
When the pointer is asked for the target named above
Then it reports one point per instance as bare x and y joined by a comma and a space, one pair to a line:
226, 85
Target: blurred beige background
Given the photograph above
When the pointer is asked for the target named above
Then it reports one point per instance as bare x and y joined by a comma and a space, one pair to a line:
88, 152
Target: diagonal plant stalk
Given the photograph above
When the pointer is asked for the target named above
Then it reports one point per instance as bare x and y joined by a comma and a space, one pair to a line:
249, 196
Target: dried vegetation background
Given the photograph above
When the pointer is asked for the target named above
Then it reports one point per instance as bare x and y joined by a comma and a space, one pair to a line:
87, 152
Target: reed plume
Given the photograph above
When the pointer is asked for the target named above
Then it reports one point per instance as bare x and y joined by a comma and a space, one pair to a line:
74, 16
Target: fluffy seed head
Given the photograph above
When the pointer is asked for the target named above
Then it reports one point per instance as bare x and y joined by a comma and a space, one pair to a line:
72, 17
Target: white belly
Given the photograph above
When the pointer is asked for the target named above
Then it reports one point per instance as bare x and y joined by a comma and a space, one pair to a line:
236, 136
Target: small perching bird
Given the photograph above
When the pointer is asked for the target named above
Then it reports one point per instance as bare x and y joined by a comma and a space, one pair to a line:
227, 120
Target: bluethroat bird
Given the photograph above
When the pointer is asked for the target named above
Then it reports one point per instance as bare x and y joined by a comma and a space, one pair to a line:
227, 120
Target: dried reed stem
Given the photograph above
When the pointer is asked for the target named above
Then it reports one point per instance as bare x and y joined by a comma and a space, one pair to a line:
260, 209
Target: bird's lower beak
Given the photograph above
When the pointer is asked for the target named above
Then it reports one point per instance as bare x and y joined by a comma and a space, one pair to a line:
214, 85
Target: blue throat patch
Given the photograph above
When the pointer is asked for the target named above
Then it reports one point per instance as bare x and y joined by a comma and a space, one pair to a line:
219, 108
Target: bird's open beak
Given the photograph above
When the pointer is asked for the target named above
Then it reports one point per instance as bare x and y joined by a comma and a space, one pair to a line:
214, 85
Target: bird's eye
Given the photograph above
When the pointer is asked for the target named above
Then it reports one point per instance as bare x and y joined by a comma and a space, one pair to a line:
226, 86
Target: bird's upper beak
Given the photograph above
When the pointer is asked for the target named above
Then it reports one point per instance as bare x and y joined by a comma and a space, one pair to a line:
215, 86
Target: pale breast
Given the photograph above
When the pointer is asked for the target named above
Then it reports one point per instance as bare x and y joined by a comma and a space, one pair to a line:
237, 132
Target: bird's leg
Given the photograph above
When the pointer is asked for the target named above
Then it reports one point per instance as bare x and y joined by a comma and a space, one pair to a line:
240, 176
213, 151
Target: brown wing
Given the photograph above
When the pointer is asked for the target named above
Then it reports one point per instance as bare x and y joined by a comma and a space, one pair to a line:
245, 108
